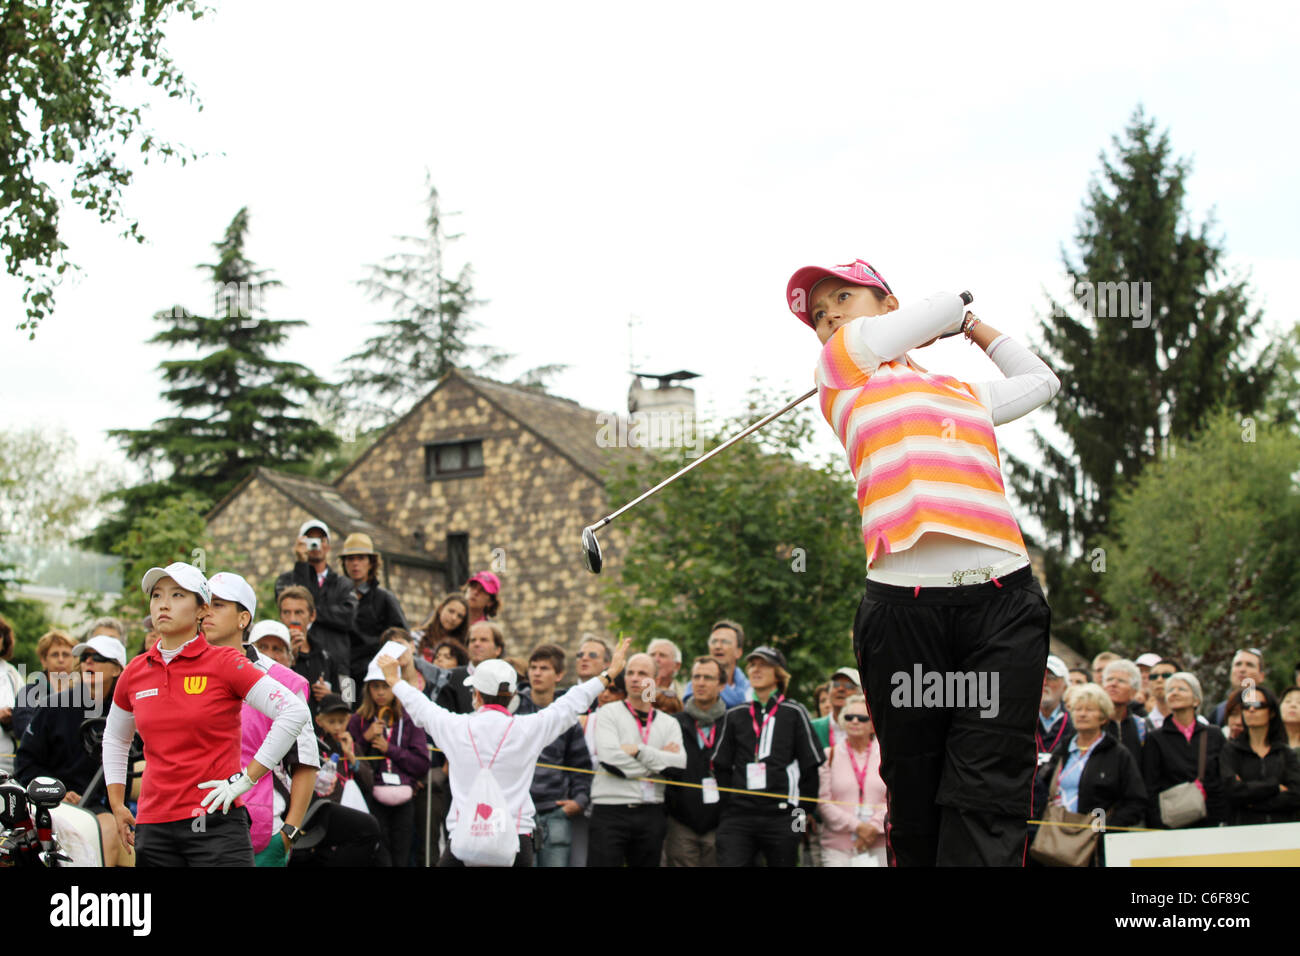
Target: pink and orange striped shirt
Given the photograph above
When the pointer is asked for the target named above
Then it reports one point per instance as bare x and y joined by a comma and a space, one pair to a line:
921, 447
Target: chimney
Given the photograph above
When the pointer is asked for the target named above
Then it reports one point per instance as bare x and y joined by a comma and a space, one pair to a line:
662, 416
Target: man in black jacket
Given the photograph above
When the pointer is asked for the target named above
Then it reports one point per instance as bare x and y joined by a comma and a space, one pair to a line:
694, 812
335, 597
558, 795
766, 745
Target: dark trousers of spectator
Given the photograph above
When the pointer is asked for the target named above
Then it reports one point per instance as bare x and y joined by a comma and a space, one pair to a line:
524, 858
396, 825
684, 847
959, 778
742, 837
217, 839
351, 838
626, 834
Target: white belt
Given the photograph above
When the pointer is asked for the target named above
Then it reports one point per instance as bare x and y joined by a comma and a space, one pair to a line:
954, 579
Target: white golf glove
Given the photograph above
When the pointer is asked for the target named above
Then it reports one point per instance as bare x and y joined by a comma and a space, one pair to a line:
225, 791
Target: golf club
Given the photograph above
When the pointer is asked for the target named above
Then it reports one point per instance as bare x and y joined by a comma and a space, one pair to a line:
591, 553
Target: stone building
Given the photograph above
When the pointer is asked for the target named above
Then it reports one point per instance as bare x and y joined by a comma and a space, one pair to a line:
478, 475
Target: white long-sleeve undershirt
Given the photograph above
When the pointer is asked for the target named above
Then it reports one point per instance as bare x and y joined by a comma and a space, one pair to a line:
288, 717
1029, 383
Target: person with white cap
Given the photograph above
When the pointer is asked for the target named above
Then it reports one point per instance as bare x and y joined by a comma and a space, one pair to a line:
384, 731
1145, 662
1052, 729
844, 683
229, 623
52, 744
492, 737
184, 696
333, 594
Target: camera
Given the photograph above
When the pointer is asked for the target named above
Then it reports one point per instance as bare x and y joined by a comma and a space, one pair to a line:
313, 544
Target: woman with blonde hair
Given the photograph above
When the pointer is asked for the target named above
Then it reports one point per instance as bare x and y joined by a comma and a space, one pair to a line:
1092, 771
852, 793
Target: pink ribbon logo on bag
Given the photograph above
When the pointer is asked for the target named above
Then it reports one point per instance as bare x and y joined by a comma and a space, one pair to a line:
482, 811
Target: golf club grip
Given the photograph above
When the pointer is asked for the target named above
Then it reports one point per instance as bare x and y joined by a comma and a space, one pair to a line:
966, 299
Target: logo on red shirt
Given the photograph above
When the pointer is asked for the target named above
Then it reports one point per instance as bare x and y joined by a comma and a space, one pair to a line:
195, 685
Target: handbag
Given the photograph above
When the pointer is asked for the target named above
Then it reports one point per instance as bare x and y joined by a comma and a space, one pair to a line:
393, 794
1184, 804
1065, 838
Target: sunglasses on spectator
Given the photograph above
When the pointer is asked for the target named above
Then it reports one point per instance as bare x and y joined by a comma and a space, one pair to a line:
1155, 674
590, 654
99, 658
842, 683
1254, 705
857, 718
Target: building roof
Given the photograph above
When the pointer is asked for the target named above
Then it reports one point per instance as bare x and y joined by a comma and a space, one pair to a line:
569, 428
322, 500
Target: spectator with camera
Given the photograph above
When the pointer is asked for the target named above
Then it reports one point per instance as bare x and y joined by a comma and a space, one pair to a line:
334, 596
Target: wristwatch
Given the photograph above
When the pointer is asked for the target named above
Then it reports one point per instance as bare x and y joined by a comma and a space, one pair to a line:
291, 833
604, 675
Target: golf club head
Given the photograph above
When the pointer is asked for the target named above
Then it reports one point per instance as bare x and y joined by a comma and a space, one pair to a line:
45, 792
591, 551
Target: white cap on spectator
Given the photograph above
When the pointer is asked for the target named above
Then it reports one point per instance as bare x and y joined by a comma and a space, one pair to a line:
104, 646
186, 575
1057, 666
270, 629
231, 587
314, 523
490, 675
851, 673
374, 673
1148, 660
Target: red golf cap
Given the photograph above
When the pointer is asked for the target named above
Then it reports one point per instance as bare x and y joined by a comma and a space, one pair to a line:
488, 581
798, 291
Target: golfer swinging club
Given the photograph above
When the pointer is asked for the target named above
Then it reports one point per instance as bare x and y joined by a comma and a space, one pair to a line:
951, 637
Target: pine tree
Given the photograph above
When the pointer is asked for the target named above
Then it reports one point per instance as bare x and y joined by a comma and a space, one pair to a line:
430, 329
238, 408
1136, 382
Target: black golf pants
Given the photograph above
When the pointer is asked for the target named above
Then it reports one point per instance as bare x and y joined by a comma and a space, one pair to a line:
953, 678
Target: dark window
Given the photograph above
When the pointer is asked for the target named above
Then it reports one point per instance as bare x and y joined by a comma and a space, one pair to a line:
457, 560
455, 459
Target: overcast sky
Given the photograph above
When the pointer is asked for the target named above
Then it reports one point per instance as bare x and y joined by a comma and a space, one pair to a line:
673, 162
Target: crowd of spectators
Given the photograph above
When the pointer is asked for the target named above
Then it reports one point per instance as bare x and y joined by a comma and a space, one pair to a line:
717, 766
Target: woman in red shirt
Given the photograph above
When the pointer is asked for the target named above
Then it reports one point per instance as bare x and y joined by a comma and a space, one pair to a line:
184, 698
